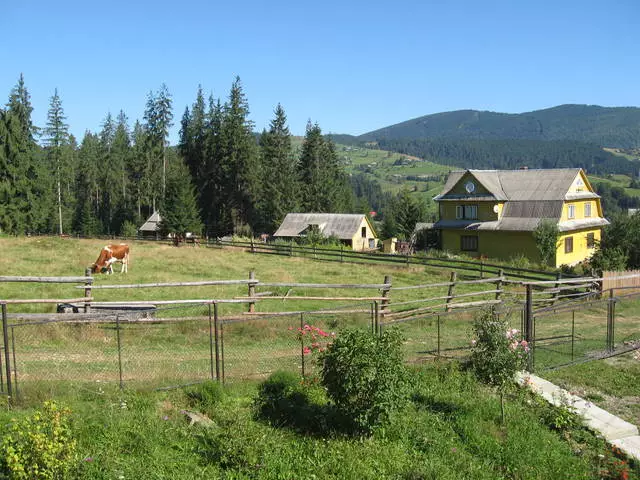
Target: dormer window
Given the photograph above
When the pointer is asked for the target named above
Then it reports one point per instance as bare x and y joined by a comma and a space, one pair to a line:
466, 212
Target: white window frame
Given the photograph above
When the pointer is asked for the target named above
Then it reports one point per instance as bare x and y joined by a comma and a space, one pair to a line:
587, 210
571, 211
459, 212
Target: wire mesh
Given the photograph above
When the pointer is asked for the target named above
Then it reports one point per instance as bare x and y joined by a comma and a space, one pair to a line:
563, 335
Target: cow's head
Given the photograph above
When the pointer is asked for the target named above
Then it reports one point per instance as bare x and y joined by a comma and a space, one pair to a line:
95, 268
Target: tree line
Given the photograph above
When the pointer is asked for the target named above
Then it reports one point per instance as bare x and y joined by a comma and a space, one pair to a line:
221, 178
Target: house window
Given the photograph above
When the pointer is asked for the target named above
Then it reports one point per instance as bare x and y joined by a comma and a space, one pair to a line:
591, 240
466, 212
469, 243
568, 245
363, 232
571, 211
587, 209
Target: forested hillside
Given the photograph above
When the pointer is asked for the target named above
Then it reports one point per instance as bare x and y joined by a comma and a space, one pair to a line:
617, 127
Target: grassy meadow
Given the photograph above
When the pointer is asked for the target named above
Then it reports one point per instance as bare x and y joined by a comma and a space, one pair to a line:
450, 430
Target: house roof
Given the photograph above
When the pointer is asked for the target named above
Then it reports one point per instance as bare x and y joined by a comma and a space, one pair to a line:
519, 185
341, 225
530, 196
151, 225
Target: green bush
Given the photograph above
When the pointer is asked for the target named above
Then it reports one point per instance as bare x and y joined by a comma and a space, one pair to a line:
129, 229
40, 446
281, 398
365, 376
205, 395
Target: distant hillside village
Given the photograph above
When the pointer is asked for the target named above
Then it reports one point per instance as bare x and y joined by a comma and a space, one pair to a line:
472, 184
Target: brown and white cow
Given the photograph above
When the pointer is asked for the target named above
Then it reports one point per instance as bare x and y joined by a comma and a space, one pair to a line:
109, 255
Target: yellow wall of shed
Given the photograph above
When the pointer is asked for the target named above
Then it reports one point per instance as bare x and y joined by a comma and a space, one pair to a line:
358, 242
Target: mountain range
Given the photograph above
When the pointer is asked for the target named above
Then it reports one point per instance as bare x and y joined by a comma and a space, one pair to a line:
615, 127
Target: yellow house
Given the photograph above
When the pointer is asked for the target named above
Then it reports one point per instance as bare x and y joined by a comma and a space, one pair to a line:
352, 229
493, 213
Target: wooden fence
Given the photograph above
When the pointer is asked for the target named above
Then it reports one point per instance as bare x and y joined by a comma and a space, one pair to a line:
627, 282
479, 267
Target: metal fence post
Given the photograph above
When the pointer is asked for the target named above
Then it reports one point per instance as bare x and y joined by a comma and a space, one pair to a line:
211, 357
376, 325
215, 329
452, 285
528, 327
573, 333
7, 356
610, 316
302, 343
438, 336
119, 352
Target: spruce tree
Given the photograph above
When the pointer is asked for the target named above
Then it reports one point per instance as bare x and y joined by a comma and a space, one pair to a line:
239, 159
279, 167
180, 212
121, 157
56, 138
213, 184
85, 219
324, 185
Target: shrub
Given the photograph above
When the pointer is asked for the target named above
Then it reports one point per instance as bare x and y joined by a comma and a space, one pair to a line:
206, 395
497, 353
39, 446
365, 376
281, 398
129, 229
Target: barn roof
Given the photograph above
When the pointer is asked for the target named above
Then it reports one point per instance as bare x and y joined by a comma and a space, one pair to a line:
341, 225
151, 225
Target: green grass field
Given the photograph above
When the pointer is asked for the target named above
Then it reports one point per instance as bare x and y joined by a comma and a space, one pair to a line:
450, 430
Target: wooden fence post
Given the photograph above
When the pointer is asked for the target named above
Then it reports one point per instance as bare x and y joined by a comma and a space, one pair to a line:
499, 283
385, 294
452, 285
87, 289
555, 296
7, 356
252, 291
253, 247
481, 269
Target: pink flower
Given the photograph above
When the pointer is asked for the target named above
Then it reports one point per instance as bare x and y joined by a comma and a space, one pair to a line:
306, 351
513, 345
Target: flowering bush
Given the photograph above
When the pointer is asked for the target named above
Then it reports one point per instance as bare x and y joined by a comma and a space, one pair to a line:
312, 338
497, 351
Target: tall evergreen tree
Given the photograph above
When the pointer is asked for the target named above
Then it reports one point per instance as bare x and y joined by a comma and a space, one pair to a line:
20, 170
85, 218
121, 157
239, 158
180, 212
56, 138
20, 105
324, 185
213, 186
158, 116
279, 167
193, 143
138, 166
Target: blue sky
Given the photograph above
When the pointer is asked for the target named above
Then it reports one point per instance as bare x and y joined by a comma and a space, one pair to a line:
350, 66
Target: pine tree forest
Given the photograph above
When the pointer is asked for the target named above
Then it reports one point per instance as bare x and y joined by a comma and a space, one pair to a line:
221, 178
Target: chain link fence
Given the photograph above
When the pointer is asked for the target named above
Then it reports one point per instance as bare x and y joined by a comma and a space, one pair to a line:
175, 346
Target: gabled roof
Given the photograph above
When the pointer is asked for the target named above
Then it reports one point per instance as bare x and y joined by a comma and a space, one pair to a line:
341, 225
520, 185
151, 225
530, 196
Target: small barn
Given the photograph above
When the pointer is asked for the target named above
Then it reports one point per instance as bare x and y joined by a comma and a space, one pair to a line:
354, 230
151, 228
